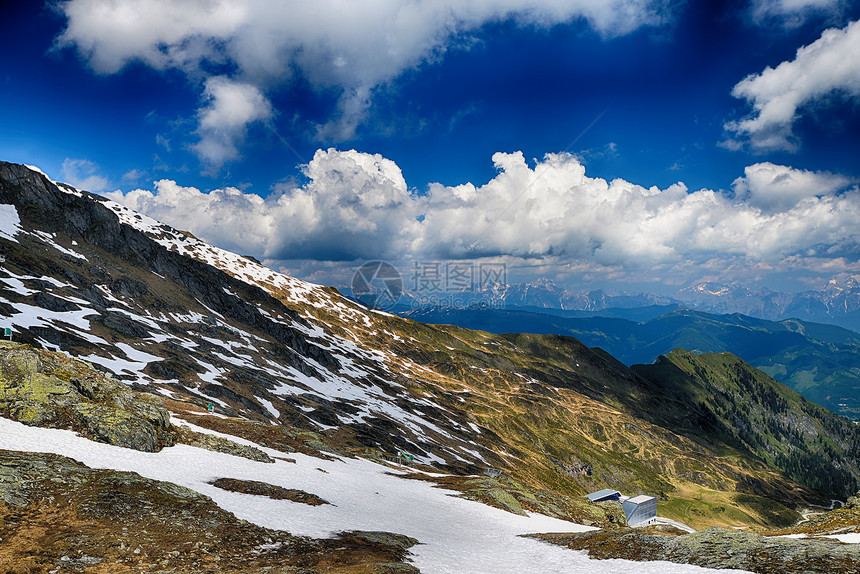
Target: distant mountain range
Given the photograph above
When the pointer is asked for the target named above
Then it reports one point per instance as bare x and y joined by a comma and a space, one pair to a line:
817, 360
836, 303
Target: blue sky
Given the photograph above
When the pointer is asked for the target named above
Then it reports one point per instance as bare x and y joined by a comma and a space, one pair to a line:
632, 144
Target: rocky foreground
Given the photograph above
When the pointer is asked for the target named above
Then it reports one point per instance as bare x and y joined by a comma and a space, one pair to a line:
717, 548
57, 515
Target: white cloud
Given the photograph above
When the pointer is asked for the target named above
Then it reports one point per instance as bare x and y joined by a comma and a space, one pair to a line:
353, 47
773, 188
829, 65
83, 174
354, 204
357, 206
133, 175
223, 121
555, 210
791, 13
160, 33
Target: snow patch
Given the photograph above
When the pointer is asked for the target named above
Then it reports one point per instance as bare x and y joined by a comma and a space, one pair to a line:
51, 239
10, 223
270, 407
849, 538
36, 169
456, 535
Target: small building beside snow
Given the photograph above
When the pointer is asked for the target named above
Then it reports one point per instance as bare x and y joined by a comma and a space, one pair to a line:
640, 510
603, 495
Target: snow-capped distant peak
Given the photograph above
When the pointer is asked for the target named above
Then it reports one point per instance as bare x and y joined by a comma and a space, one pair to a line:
843, 283
710, 288
713, 291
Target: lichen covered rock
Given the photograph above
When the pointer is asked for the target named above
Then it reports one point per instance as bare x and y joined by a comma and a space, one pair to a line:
116, 426
220, 444
717, 548
42, 388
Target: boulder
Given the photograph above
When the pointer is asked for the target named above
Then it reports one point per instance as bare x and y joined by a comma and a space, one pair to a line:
41, 388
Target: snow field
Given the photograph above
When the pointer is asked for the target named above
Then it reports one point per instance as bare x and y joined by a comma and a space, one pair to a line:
849, 538
456, 535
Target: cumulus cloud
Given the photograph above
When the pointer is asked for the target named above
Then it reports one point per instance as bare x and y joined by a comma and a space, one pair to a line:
774, 188
791, 13
358, 206
351, 47
223, 121
354, 204
83, 174
555, 210
160, 33
829, 65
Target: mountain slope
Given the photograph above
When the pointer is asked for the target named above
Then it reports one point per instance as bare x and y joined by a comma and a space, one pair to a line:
746, 407
173, 316
817, 360
146, 302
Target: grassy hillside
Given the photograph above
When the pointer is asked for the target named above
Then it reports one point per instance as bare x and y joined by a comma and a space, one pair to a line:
819, 361
744, 407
